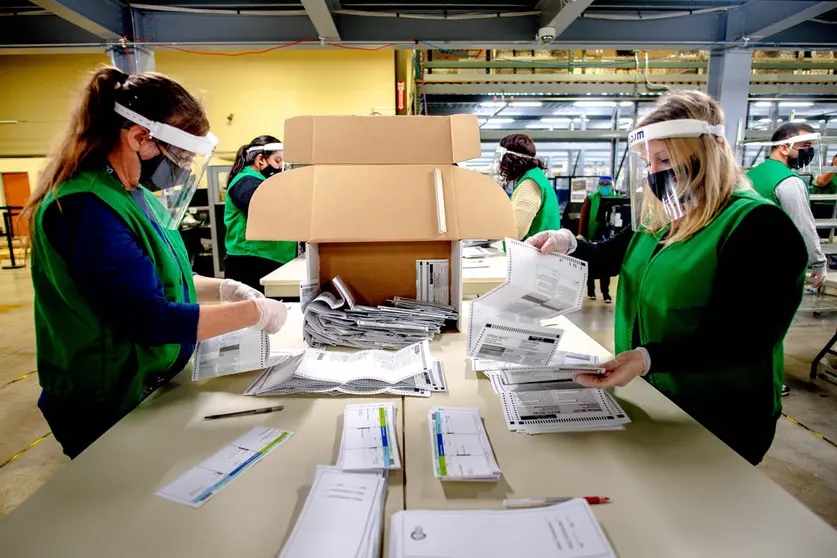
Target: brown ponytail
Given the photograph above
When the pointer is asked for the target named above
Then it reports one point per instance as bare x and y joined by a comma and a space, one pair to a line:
93, 128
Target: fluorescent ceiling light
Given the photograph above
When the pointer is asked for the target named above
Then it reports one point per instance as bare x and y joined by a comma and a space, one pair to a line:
763, 103
512, 104
626, 104
625, 119
795, 104
765, 119
496, 120
594, 104
491, 126
799, 120
554, 120
539, 126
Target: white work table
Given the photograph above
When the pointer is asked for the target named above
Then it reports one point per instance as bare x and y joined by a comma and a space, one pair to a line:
476, 281
676, 489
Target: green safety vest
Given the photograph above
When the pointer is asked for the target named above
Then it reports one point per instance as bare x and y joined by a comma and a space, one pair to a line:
766, 176
79, 354
594, 225
664, 295
236, 222
548, 217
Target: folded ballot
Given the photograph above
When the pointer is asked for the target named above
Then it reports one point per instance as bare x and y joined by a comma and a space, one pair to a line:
567, 530
369, 440
461, 451
342, 516
243, 350
410, 372
337, 320
562, 410
505, 323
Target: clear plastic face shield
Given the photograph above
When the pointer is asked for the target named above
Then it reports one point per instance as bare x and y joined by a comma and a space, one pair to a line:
499, 153
804, 152
269, 151
174, 174
659, 186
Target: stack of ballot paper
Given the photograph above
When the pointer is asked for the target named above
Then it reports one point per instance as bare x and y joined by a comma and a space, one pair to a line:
461, 451
369, 441
539, 411
342, 516
410, 371
567, 530
337, 320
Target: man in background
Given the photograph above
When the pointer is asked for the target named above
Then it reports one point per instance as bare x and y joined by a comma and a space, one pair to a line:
592, 229
776, 179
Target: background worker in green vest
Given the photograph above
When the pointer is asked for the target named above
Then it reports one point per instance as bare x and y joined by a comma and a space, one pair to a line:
533, 200
794, 148
590, 228
117, 309
250, 260
688, 318
826, 183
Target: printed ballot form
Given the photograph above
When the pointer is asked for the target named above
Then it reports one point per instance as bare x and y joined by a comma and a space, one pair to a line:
369, 438
505, 323
461, 451
243, 350
342, 516
567, 530
197, 485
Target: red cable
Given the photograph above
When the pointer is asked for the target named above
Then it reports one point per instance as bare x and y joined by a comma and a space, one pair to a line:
265, 51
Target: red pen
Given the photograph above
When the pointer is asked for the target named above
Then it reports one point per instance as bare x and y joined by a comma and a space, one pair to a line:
517, 503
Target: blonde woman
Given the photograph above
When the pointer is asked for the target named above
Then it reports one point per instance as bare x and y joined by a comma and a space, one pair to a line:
117, 309
689, 318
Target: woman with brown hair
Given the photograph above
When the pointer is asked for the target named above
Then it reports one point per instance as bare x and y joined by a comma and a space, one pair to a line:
688, 318
116, 303
534, 202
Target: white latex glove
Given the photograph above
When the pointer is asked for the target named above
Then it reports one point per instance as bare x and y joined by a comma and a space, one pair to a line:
619, 371
273, 314
562, 241
235, 291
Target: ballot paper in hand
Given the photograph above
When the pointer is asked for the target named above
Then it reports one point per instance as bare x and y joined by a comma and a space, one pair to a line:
369, 440
243, 350
505, 323
461, 451
342, 516
562, 366
567, 530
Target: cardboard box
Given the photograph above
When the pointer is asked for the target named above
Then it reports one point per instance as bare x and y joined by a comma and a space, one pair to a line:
381, 193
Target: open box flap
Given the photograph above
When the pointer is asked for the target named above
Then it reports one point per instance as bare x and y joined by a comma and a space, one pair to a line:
379, 203
372, 140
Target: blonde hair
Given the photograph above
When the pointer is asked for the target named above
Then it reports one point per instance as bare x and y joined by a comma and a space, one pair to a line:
93, 128
714, 177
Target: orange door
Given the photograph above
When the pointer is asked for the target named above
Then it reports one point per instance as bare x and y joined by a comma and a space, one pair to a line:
16, 189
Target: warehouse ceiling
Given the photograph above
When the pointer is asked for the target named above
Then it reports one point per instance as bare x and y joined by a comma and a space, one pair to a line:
614, 24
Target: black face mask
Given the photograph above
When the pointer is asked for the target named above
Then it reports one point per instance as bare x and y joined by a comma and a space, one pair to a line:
270, 170
662, 181
159, 173
804, 156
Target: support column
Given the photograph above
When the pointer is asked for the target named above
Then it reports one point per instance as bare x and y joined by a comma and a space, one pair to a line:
132, 60
729, 82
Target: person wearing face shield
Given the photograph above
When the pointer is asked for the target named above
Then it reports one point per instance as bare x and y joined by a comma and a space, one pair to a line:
590, 228
117, 309
688, 317
794, 149
533, 200
250, 260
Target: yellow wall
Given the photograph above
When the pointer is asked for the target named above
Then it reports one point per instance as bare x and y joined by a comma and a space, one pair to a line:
259, 91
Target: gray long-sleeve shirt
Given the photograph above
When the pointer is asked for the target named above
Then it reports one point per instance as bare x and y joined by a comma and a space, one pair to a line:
793, 197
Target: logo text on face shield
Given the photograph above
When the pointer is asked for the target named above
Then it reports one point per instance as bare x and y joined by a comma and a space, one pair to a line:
636, 136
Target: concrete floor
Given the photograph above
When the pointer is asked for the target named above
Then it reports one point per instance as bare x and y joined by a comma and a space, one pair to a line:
803, 459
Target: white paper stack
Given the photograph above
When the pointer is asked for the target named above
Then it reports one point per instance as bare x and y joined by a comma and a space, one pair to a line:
562, 410
336, 320
410, 371
461, 450
567, 530
243, 350
370, 440
342, 516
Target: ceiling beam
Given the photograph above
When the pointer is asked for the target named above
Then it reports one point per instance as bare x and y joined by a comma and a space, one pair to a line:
560, 14
319, 12
103, 18
760, 19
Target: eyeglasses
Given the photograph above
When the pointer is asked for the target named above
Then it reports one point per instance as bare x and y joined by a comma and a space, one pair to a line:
179, 157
